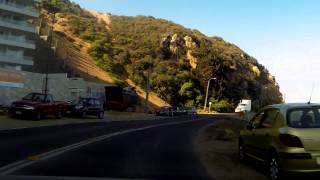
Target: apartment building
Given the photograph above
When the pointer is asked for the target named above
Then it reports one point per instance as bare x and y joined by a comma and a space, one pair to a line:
17, 32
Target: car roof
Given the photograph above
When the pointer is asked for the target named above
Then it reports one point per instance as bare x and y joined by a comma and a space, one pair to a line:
37, 93
293, 105
285, 106
87, 98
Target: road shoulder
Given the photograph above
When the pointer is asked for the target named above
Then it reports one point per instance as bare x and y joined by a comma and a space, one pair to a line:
8, 123
216, 147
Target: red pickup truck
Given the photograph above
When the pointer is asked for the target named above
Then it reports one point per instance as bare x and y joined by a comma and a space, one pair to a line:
38, 105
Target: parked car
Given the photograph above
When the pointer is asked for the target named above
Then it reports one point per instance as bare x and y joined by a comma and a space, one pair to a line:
286, 137
179, 111
38, 105
87, 106
164, 111
120, 99
192, 111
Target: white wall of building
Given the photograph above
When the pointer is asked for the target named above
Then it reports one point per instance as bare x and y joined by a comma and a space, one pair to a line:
60, 86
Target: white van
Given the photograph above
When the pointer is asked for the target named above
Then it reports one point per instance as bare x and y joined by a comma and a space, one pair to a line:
244, 106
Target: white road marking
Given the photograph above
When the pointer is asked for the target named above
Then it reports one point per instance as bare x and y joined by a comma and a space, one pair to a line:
13, 167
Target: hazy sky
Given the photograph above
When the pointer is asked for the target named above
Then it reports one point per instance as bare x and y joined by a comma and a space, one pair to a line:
284, 35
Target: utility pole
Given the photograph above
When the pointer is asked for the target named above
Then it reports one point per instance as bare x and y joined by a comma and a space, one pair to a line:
147, 90
206, 100
50, 39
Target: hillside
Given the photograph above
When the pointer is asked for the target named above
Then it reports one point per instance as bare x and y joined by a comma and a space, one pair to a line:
73, 52
179, 60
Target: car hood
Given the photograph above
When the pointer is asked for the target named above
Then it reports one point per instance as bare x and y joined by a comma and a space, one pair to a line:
26, 103
15, 177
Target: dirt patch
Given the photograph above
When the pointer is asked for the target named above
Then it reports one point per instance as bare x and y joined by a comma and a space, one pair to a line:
155, 101
216, 147
103, 17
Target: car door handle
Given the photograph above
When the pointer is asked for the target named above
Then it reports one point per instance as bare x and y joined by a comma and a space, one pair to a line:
267, 134
253, 134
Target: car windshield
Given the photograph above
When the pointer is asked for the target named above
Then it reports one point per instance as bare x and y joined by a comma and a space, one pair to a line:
156, 89
83, 101
28, 97
304, 117
34, 97
38, 97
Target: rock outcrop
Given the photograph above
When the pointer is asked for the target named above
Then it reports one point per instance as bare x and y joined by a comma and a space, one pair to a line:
179, 46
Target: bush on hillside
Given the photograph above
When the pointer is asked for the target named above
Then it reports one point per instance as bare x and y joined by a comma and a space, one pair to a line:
222, 106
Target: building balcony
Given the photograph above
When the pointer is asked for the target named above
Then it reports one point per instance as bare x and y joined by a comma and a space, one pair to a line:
25, 60
19, 9
22, 26
15, 42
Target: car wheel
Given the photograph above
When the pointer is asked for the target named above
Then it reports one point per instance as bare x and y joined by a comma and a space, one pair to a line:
37, 116
59, 115
129, 109
101, 115
83, 114
241, 152
274, 168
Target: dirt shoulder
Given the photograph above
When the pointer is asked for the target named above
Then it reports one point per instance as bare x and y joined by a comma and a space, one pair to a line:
216, 147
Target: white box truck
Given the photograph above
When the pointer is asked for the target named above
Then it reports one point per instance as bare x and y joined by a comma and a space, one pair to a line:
244, 106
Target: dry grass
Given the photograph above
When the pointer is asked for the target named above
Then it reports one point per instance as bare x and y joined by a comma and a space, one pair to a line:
216, 147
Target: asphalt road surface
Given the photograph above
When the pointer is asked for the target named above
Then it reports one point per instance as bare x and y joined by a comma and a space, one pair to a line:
160, 149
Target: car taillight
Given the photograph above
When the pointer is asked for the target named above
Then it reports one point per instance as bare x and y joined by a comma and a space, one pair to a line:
290, 140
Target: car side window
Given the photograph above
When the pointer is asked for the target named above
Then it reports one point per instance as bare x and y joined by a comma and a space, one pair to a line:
91, 102
97, 103
269, 118
39, 98
256, 121
49, 99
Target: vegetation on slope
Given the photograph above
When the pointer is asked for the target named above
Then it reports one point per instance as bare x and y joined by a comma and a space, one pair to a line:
179, 61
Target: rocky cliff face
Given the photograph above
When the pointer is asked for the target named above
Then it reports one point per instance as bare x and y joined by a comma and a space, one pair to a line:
181, 46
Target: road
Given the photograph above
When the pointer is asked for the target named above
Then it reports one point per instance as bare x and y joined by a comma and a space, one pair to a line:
160, 149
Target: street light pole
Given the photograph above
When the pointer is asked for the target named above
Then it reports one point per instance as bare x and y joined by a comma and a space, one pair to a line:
206, 100
147, 90
50, 39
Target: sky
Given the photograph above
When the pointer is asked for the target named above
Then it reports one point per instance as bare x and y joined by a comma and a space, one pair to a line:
283, 35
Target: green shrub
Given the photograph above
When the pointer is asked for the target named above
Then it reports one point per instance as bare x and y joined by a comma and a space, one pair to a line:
222, 106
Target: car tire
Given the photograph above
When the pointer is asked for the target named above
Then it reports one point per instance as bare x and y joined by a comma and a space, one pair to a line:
129, 109
242, 152
83, 114
101, 115
59, 115
37, 116
274, 170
